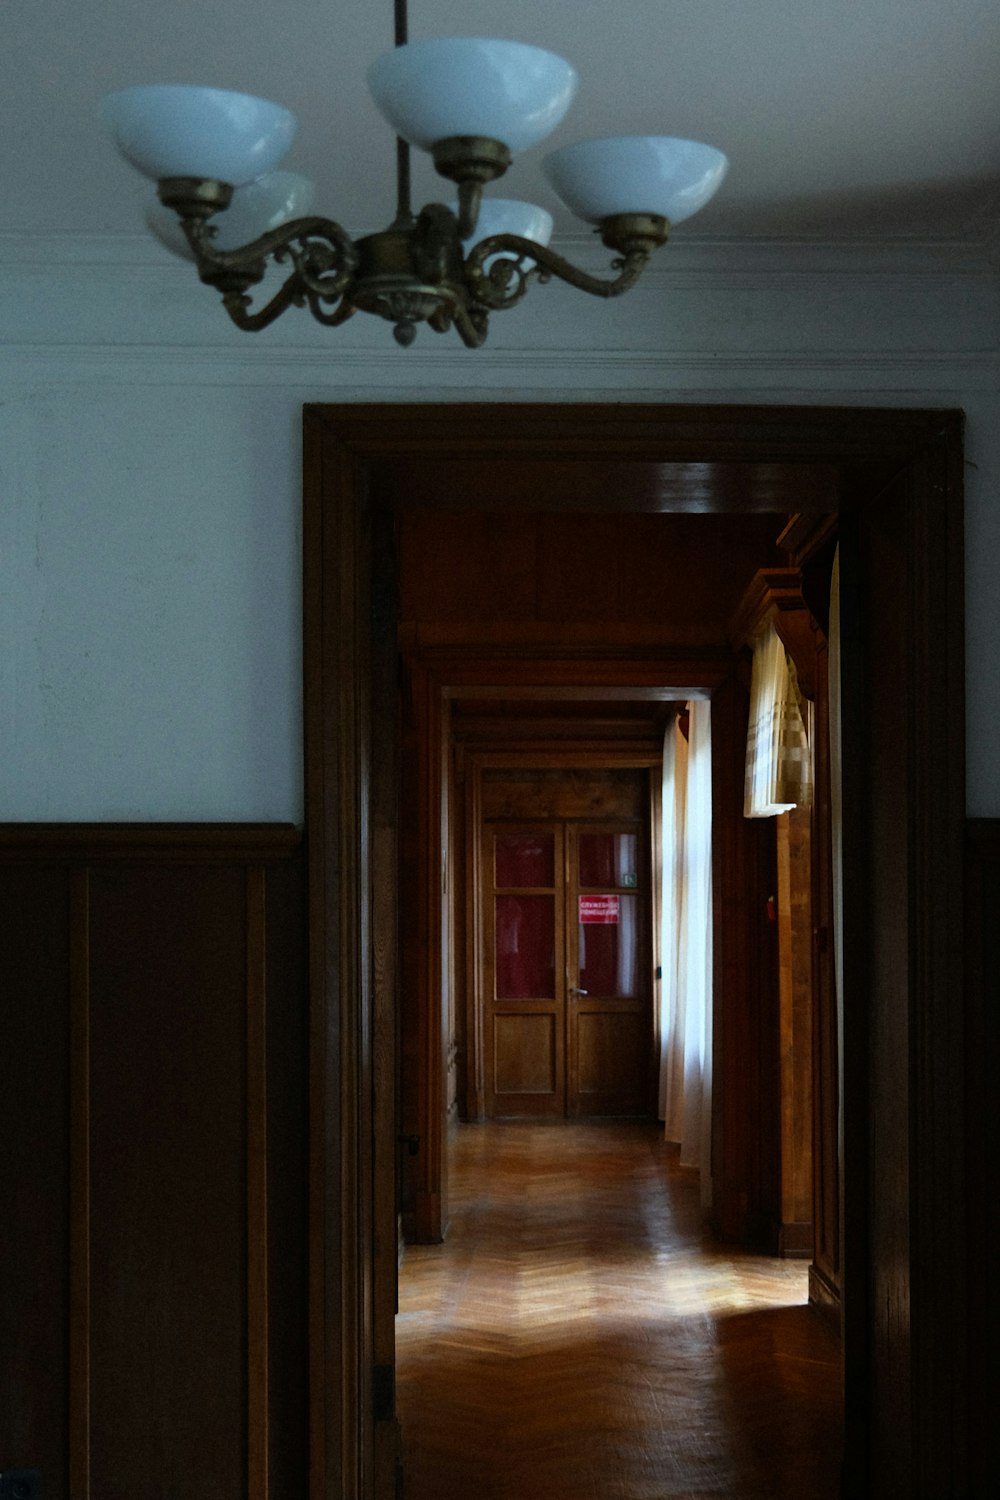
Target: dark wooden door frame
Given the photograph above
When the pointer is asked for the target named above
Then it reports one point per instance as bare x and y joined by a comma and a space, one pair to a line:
899, 482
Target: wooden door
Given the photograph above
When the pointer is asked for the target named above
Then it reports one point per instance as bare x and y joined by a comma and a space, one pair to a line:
566, 967
609, 966
524, 969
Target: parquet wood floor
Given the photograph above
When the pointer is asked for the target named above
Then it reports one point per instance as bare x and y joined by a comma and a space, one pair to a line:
580, 1337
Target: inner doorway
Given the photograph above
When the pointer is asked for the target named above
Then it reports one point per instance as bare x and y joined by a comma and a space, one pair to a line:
566, 960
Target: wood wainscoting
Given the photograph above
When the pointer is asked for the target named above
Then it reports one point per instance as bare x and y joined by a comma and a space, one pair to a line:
982, 1148
153, 1113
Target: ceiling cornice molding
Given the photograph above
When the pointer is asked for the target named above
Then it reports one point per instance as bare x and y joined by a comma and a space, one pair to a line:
505, 374
686, 255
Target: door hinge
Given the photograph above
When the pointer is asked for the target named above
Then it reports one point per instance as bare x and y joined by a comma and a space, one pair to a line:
384, 1393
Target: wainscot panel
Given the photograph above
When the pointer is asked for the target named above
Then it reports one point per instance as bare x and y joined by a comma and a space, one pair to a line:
982, 1157
153, 1029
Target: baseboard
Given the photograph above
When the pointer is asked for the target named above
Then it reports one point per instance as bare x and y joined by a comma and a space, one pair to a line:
824, 1295
795, 1241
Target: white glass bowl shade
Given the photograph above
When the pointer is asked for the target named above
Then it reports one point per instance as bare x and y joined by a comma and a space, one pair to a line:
433, 90
648, 174
179, 130
509, 216
256, 207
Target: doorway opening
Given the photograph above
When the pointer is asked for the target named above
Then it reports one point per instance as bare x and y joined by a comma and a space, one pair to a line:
895, 479
525, 1215
569, 670
651, 609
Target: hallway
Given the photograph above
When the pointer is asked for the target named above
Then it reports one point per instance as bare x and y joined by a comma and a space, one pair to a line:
579, 1337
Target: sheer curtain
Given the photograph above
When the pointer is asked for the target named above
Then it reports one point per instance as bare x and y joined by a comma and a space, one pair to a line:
686, 942
779, 766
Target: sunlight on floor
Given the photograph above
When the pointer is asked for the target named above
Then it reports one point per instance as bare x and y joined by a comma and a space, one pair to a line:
578, 1335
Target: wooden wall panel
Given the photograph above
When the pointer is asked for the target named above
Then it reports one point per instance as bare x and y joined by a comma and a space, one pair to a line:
467, 567
34, 1170
168, 1181
982, 1155
745, 1088
153, 985
825, 1271
514, 569
582, 568
287, 1181
568, 792
887, 808
795, 941
421, 914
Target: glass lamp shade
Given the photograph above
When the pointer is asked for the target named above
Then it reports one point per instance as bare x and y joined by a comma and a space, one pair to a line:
648, 174
256, 207
434, 90
508, 216
173, 130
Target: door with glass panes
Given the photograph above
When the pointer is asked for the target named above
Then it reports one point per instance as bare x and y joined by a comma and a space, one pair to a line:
567, 974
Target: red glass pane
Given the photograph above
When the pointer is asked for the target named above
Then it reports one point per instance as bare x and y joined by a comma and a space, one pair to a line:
525, 859
608, 859
609, 953
525, 947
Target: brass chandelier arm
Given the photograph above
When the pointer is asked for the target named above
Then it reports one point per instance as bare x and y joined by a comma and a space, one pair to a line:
323, 254
412, 272
472, 326
237, 305
340, 314
508, 278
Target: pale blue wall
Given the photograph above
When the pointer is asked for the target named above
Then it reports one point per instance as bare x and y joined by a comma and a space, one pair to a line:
150, 543
150, 485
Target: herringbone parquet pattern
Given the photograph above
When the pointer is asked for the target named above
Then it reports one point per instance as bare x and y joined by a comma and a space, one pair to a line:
579, 1337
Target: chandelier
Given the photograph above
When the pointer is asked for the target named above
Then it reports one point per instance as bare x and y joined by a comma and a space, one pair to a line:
472, 103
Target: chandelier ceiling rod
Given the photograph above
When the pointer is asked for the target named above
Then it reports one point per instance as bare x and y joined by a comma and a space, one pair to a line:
472, 103
404, 205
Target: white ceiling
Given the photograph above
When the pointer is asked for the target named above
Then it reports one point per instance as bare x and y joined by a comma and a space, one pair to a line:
840, 117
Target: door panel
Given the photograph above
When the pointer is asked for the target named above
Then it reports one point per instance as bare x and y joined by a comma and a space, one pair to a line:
566, 965
524, 946
525, 1055
611, 1050
524, 984
609, 1011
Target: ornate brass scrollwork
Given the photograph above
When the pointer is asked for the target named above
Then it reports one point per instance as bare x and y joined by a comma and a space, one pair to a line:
413, 272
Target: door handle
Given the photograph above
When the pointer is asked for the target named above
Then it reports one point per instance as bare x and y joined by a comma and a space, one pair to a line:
575, 991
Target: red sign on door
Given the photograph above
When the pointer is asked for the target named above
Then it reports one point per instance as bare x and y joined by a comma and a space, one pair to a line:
603, 909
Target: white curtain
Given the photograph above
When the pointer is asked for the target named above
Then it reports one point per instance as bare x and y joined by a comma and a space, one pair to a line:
779, 766
686, 942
